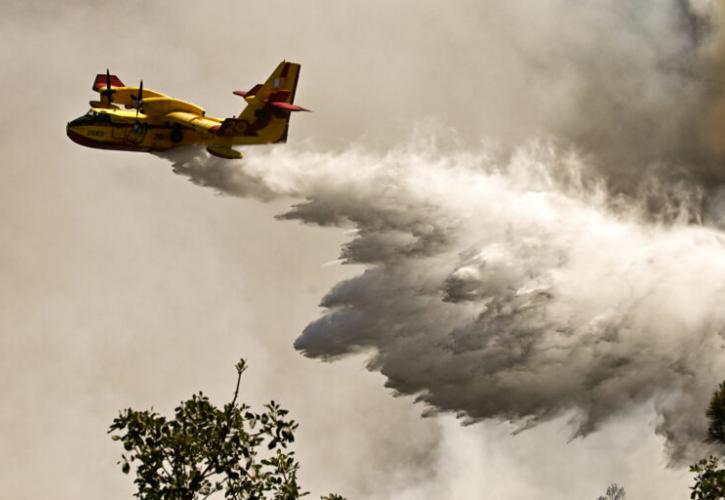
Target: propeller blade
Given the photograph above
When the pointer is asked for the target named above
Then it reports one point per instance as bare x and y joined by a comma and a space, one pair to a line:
108, 92
139, 98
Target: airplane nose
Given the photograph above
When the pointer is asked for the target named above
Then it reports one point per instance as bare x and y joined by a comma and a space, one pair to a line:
76, 137
72, 134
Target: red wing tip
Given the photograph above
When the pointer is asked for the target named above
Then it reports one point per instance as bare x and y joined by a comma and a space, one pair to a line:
101, 79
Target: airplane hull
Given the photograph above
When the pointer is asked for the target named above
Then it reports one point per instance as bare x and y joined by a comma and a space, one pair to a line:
219, 150
84, 140
131, 136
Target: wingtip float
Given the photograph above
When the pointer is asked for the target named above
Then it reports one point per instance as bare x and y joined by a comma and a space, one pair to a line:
140, 119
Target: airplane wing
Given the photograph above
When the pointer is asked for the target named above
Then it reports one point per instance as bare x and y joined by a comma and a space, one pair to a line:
154, 104
195, 121
181, 112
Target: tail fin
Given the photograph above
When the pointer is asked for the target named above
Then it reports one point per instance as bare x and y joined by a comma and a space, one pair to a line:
266, 117
280, 87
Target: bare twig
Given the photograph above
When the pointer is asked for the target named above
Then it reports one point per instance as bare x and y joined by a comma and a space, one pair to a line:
240, 366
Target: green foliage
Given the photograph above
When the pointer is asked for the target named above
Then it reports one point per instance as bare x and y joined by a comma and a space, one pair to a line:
716, 416
709, 480
709, 477
204, 450
614, 492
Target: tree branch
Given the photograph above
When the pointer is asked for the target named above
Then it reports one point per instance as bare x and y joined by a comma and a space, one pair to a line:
225, 480
171, 463
240, 366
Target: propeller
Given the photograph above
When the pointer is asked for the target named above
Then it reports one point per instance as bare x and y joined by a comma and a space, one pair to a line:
108, 91
138, 99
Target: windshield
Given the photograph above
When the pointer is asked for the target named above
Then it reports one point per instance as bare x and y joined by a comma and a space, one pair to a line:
92, 117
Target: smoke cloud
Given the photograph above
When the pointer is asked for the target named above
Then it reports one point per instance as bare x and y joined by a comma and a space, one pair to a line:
636, 87
580, 273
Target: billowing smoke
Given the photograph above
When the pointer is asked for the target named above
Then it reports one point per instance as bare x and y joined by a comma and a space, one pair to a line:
637, 87
582, 272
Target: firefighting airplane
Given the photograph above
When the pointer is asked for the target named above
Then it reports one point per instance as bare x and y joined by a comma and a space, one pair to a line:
138, 119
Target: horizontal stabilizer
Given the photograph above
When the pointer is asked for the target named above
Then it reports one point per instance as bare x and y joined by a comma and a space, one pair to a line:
248, 93
287, 107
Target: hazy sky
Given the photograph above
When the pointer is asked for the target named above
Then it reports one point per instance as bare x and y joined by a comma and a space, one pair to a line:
124, 285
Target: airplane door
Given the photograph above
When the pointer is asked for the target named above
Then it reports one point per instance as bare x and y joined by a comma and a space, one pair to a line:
119, 132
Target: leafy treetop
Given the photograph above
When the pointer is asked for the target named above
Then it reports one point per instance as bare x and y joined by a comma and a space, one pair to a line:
709, 477
204, 450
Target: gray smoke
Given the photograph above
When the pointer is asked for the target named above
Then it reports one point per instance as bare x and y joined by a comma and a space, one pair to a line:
636, 87
579, 273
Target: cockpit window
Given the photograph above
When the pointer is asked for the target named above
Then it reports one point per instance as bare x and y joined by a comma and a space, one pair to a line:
91, 118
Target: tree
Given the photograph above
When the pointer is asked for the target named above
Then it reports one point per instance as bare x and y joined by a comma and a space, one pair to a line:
614, 492
204, 450
716, 416
709, 477
709, 480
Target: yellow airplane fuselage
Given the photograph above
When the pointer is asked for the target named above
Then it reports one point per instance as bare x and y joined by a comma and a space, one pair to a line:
122, 129
138, 119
